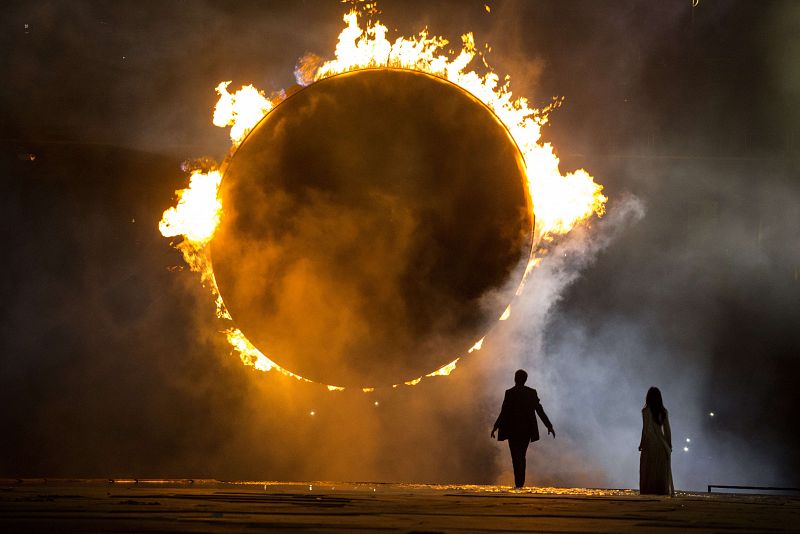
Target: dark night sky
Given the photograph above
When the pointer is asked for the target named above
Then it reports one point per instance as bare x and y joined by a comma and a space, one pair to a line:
110, 364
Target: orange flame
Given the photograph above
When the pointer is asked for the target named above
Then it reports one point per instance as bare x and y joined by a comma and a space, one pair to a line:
445, 370
476, 346
198, 210
241, 110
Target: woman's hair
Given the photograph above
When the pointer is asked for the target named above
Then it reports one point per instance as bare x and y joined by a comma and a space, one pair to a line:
656, 405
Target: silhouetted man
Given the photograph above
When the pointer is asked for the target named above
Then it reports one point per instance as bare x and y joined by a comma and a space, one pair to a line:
517, 423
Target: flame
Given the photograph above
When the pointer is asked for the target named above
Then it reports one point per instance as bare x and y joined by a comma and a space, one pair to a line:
445, 370
198, 211
476, 346
560, 201
253, 357
241, 110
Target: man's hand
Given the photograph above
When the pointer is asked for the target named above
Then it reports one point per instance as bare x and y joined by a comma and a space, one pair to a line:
551, 431
493, 431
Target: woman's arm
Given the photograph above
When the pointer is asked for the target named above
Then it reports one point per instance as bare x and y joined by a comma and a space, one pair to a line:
644, 422
667, 431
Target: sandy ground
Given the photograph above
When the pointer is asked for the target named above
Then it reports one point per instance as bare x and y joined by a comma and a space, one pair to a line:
213, 506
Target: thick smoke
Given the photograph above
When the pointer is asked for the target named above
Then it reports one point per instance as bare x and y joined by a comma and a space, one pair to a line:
111, 365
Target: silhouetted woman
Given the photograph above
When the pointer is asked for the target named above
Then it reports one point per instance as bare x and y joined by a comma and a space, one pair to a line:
655, 469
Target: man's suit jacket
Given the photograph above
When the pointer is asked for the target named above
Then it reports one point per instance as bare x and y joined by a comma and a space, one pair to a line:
517, 419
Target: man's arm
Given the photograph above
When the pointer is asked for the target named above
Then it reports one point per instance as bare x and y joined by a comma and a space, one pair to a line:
545, 419
500, 417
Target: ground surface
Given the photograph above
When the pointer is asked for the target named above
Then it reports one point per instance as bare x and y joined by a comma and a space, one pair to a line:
194, 506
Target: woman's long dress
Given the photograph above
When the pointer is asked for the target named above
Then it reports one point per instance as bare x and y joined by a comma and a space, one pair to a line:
655, 466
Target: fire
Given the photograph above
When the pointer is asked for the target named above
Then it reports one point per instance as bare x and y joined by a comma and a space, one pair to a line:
251, 356
446, 370
241, 110
560, 200
198, 210
476, 346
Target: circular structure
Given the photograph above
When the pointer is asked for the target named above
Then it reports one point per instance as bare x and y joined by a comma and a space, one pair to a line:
375, 224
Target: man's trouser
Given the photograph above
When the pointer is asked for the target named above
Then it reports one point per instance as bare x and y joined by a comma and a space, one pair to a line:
518, 448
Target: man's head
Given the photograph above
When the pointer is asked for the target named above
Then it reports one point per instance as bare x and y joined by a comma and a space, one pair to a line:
520, 377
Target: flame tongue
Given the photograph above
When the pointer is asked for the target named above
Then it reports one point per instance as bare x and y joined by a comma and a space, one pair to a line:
197, 213
241, 110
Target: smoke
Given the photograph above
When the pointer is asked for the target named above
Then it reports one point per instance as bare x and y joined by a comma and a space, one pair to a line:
687, 298
111, 365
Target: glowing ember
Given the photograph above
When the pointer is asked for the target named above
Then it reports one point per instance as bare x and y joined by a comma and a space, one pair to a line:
560, 200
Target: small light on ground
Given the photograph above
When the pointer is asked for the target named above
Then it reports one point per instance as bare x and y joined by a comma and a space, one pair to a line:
688, 440
376, 403
711, 414
312, 412
686, 449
